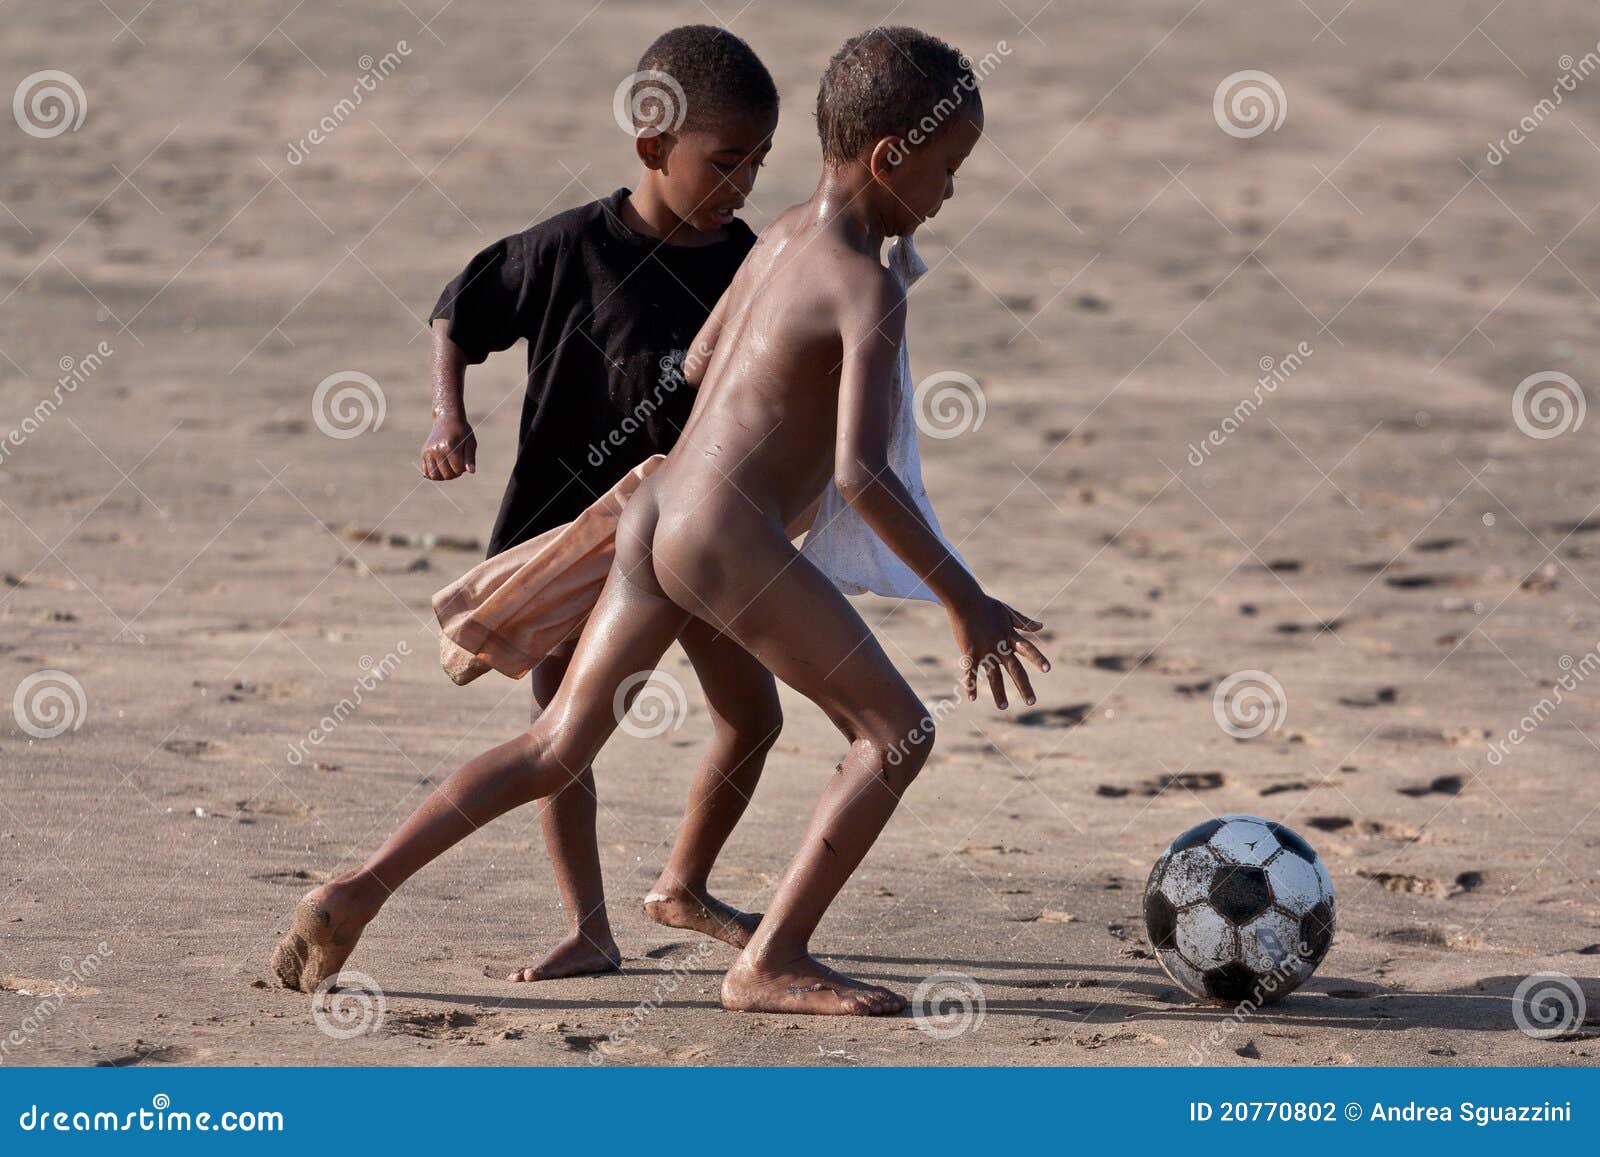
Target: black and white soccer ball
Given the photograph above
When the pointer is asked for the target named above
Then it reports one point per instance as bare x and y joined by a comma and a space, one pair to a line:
1239, 909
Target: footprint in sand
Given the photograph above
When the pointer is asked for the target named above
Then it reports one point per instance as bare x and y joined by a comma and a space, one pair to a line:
433, 1025
190, 747
1071, 715
1407, 884
1381, 697
1121, 662
1321, 627
1381, 828
1434, 545
1434, 938
1415, 582
1280, 788
1440, 785
1186, 781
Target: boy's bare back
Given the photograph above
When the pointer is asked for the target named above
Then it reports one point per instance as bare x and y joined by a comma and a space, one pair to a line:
766, 418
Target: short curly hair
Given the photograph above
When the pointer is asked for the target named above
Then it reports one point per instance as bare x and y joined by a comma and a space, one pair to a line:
890, 82
713, 72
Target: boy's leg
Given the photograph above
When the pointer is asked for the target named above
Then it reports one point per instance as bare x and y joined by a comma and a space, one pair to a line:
783, 611
628, 632
568, 818
745, 720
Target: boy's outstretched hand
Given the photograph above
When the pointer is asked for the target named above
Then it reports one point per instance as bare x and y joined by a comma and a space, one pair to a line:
989, 634
451, 449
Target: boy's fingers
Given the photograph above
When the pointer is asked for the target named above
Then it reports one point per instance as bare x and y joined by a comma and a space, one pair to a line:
1023, 622
1035, 656
997, 685
1019, 676
969, 678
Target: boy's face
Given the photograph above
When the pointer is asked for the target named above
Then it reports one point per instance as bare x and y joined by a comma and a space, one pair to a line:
705, 174
925, 177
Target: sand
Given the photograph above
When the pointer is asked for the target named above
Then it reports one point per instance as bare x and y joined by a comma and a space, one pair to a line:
180, 537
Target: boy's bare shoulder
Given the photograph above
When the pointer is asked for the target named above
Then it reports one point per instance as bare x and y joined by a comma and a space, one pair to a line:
868, 291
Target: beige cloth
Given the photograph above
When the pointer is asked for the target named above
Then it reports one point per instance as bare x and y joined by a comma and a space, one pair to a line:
510, 611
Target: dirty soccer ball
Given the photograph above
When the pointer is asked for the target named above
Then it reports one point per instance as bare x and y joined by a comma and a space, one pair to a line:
1239, 909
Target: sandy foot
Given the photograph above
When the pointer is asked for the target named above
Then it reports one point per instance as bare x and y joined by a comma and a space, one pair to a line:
808, 987
705, 914
320, 940
577, 955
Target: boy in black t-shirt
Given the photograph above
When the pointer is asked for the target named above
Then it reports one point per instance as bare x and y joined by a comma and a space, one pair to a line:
609, 297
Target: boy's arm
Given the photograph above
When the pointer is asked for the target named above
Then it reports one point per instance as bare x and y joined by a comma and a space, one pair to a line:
986, 629
451, 448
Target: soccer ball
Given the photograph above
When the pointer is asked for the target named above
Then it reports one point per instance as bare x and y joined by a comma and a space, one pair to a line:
1239, 909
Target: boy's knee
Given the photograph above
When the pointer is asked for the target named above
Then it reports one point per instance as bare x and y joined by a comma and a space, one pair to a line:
909, 742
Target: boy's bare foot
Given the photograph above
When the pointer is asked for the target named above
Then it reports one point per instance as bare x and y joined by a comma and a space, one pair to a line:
805, 986
326, 926
577, 955
704, 913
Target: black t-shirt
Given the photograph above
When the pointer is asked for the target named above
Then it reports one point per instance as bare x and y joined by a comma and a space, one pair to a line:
608, 314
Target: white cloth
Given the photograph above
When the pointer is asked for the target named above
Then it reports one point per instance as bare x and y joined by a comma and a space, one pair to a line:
840, 543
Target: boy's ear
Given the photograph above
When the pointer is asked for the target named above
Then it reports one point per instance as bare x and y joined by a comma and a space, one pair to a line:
653, 148
885, 156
